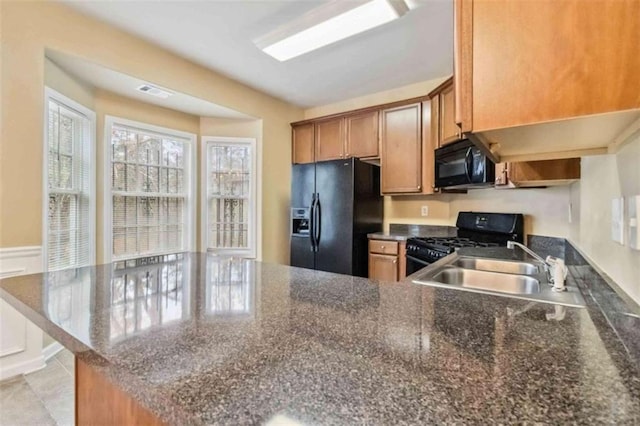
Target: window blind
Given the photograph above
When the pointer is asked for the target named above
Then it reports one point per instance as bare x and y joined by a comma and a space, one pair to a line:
68, 152
149, 192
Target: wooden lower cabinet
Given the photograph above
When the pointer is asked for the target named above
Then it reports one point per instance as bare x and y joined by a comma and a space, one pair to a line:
383, 267
99, 402
387, 260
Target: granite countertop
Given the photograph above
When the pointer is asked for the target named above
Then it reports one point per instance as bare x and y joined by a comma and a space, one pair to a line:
401, 232
203, 339
388, 236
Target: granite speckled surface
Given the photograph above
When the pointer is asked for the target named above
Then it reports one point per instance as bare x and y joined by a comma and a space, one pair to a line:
204, 340
400, 232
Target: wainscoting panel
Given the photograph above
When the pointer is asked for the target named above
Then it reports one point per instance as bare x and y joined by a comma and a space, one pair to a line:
20, 340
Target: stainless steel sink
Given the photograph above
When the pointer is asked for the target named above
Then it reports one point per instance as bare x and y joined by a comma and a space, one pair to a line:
494, 265
503, 283
507, 278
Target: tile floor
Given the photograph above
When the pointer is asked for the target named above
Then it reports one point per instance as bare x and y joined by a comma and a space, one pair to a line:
44, 397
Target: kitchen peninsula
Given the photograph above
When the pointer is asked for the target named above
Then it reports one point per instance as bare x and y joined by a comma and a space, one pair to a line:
200, 339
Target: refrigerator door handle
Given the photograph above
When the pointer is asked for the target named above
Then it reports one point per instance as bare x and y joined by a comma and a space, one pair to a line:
317, 221
312, 222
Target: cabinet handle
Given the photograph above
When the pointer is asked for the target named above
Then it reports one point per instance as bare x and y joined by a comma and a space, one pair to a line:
419, 187
395, 261
382, 247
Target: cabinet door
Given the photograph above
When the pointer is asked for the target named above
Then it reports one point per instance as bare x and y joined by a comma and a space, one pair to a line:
383, 267
463, 63
449, 131
362, 135
330, 139
302, 139
401, 144
578, 58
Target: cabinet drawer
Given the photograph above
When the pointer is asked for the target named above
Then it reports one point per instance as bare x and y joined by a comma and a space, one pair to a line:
383, 247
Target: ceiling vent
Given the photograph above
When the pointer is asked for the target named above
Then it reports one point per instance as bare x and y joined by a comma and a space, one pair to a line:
154, 91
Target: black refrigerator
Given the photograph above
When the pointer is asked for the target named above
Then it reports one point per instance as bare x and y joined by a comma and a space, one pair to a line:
334, 205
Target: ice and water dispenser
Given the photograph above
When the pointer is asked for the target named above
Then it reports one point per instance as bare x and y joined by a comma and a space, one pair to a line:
300, 222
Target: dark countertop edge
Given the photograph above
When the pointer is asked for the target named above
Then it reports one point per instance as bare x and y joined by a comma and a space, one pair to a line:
157, 404
631, 303
388, 236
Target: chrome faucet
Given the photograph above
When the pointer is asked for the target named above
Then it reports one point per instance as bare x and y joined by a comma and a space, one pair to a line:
553, 266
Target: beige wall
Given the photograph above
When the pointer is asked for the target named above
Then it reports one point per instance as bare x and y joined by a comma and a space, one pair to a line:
546, 210
604, 178
59, 80
399, 94
28, 28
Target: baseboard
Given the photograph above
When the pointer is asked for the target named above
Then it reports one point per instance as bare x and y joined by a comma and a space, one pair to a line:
24, 367
51, 351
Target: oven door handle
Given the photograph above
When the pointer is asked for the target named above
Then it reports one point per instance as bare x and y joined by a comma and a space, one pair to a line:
468, 164
415, 259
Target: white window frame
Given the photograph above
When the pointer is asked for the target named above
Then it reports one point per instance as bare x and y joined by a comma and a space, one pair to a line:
190, 140
89, 139
254, 193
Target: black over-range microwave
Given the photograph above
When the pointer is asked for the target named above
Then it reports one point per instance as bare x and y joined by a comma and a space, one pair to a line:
462, 165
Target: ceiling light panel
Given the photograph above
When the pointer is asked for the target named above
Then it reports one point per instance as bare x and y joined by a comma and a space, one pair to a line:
328, 24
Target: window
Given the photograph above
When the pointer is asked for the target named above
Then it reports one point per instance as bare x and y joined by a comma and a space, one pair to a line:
149, 199
69, 204
229, 196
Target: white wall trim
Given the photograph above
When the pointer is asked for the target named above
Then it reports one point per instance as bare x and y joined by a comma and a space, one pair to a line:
24, 367
51, 350
21, 340
14, 252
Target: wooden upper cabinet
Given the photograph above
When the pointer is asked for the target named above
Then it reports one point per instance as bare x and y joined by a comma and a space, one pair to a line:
525, 62
537, 173
362, 135
303, 146
449, 131
330, 137
446, 129
401, 149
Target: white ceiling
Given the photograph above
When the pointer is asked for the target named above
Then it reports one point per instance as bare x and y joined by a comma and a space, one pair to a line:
125, 85
219, 35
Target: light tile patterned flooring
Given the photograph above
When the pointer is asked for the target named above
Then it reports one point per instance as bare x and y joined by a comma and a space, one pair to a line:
44, 397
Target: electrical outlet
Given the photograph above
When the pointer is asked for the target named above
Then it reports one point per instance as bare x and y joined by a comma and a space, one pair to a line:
617, 220
424, 211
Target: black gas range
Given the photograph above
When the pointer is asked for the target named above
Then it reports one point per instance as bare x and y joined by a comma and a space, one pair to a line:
474, 230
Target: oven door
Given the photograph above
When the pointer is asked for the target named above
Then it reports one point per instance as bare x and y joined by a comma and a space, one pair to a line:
414, 264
